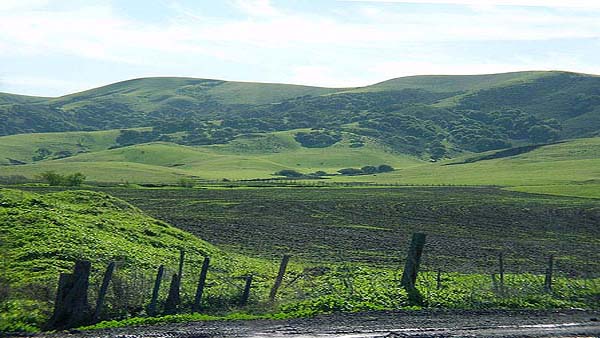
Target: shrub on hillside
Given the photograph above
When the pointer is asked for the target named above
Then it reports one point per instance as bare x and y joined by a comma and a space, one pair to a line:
384, 168
289, 173
366, 170
317, 139
55, 179
369, 169
350, 171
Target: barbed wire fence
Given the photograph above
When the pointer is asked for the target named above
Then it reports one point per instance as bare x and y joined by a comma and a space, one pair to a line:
502, 278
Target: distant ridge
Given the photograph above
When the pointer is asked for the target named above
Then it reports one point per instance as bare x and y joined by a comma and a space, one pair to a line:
431, 115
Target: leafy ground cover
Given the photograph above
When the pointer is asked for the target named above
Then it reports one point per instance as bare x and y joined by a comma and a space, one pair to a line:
342, 260
43, 235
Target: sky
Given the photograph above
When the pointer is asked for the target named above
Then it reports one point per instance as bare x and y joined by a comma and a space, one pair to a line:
56, 47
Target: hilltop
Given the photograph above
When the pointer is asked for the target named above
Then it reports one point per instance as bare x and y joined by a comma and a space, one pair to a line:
166, 129
420, 115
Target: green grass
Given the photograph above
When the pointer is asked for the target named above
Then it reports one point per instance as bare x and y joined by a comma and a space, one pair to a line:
567, 168
572, 162
145, 93
43, 235
453, 83
7, 99
23, 147
247, 157
342, 260
354, 289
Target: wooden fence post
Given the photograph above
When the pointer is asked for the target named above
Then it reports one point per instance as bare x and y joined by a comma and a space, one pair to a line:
439, 279
154, 300
549, 271
413, 260
201, 282
494, 282
71, 308
173, 300
411, 268
501, 271
246, 294
103, 289
181, 259
279, 279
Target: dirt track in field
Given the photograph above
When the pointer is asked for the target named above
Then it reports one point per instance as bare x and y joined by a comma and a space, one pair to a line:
429, 323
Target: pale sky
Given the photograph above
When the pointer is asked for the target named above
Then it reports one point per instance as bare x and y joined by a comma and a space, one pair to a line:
55, 47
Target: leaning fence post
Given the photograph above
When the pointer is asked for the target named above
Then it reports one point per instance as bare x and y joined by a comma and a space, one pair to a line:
71, 308
279, 279
103, 290
159, 276
201, 282
173, 300
246, 293
549, 271
411, 268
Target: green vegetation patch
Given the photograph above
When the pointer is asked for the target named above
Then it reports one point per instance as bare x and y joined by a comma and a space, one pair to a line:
43, 235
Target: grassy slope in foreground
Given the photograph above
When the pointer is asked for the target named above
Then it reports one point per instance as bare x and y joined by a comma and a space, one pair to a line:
42, 235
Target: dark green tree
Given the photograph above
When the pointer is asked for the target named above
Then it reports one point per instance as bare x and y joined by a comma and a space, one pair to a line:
384, 168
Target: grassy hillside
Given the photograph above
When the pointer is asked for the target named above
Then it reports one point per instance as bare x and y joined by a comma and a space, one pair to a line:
139, 103
421, 115
247, 157
6, 99
573, 162
25, 147
212, 129
454, 83
150, 91
568, 166
43, 235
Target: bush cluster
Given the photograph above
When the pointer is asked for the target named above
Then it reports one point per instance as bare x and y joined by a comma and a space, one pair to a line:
366, 170
55, 179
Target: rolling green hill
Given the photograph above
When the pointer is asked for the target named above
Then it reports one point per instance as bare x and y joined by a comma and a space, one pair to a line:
165, 90
6, 99
28, 148
165, 129
418, 114
454, 83
560, 168
246, 157
570, 168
